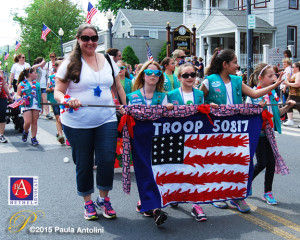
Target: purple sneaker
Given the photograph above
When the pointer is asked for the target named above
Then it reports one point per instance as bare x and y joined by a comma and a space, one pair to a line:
107, 210
90, 211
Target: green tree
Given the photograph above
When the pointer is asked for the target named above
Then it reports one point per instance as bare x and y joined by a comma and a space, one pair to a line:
55, 14
163, 52
161, 5
128, 55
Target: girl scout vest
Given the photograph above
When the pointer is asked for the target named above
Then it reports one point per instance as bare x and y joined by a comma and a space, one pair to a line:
38, 93
168, 85
275, 110
136, 98
175, 97
217, 90
50, 95
127, 85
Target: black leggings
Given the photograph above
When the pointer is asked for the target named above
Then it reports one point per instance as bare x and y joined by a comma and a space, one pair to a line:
265, 159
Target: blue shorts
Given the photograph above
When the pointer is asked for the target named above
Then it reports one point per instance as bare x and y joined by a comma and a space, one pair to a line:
43, 90
56, 110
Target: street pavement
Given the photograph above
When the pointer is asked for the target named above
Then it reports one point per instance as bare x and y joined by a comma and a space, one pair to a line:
62, 209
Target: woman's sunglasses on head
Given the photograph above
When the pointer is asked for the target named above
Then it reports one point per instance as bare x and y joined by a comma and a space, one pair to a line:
149, 72
85, 38
182, 57
187, 75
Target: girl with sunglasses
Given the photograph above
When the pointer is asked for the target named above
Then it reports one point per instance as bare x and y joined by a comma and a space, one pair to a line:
29, 89
149, 85
126, 82
222, 86
85, 77
171, 80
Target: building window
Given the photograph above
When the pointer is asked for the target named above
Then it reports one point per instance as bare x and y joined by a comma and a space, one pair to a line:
294, 4
123, 22
214, 3
189, 5
123, 35
242, 4
260, 4
292, 37
153, 34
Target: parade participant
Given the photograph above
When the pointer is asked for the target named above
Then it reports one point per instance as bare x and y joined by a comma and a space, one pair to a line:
129, 70
115, 53
149, 91
126, 82
50, 66
223, 87
50, 98
29, 90
171, 80
201, 68
287, 64
294, 91
186, 95
179, 57
86, 77
39, 65
4, 96
262, 77
16, 69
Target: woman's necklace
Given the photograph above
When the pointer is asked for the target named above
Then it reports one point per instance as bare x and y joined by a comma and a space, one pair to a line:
97, 90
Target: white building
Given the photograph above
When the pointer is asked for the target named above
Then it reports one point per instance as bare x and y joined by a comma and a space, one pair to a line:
223, 23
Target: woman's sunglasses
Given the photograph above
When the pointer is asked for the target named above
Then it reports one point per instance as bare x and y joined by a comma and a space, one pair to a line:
122, 68
182, 57
149, 72
187, 75
85, 38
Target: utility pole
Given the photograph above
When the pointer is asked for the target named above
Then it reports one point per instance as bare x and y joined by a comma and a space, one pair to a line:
249, 43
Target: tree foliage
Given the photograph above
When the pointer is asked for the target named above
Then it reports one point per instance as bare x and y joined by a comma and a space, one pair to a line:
161, 5
55, 14
128, 56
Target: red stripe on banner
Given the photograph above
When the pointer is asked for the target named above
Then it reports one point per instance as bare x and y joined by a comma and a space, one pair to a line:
204, 196
194, 179
230, 158
215, 141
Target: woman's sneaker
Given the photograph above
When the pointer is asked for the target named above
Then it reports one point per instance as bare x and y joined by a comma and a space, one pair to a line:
159, 216
241, 205
221, 205
34, 141
90, 211
24, 136
107, 210
3, 139
198, 213
268, 197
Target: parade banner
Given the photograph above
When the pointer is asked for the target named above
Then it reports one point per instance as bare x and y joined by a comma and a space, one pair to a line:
194, 157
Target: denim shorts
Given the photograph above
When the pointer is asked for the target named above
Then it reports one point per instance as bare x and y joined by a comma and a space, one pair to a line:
3, 106
43, 90
56, 110
93, 145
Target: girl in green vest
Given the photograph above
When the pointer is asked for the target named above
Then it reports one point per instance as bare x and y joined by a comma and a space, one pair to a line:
171, 80
126, 82
222, 86
30, 91
262, 77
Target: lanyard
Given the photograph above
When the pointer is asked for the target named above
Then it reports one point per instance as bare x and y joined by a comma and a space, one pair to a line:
145, 99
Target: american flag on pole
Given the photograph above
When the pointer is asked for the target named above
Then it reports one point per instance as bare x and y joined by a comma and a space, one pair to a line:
149, 53
187, 159
6, 55
17, 103
91, 12
45, 32
18, 44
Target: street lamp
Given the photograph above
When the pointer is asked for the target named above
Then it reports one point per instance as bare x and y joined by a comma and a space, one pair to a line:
205, 46
61, 33
109, 16
28, 47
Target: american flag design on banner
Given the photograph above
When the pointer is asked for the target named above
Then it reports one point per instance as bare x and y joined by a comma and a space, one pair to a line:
190, 160
91, 12
204, 168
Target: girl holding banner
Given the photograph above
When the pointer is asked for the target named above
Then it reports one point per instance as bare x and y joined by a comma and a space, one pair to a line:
223, 87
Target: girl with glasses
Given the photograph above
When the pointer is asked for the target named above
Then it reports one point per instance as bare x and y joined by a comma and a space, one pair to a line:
16, 69
29, 89
171, 80
126, 82
85, 77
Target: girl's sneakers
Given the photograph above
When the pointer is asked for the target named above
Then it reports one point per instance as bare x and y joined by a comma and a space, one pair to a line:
268, 197
34, 141
107, 210
24, 136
